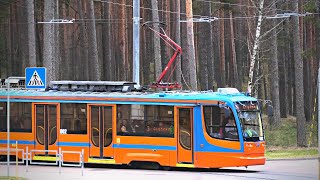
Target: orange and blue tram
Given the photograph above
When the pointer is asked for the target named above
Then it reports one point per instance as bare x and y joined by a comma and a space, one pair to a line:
171, 128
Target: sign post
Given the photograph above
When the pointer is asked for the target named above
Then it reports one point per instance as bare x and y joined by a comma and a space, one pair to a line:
35, 78
8, 127
8, 121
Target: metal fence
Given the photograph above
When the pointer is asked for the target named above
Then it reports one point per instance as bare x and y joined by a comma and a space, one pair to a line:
27, 158
15, 152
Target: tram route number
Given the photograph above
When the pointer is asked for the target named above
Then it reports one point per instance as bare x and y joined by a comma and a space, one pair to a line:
63, 131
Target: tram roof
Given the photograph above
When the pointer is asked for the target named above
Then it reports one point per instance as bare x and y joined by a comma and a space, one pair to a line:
170, 95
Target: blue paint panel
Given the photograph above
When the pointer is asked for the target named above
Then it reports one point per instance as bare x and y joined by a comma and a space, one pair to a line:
139, 146
75, 144
19, 142
200, 139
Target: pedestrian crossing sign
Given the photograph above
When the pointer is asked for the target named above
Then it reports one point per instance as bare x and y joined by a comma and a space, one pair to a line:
35, 78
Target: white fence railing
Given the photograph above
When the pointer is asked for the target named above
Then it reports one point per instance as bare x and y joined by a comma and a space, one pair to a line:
58, 155
15, 152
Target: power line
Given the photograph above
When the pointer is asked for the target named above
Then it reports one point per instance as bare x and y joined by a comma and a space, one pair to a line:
200, 19
196, 18
223, 3
248, 6
126, 5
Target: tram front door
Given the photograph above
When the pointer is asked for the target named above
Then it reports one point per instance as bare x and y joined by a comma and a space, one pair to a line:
101, 131
185, 135
46, 128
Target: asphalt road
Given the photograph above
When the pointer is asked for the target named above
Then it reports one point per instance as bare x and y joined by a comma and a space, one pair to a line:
284, 169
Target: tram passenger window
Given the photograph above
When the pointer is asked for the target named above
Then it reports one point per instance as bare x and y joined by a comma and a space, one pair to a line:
73, 118
20, 117
144, 120
3, 117
220, 123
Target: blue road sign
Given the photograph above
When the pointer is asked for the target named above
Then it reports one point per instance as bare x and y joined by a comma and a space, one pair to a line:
36, 78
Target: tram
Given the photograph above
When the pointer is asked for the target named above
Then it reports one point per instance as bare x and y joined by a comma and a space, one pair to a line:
118, 123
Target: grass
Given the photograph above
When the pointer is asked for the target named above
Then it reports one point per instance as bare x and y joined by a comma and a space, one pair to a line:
284, 136
281, 141
11, 178
292, 153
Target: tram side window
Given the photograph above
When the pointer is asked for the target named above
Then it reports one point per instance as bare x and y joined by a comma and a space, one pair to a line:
145, 120
3, 117
220, 123
20, 117
73, 118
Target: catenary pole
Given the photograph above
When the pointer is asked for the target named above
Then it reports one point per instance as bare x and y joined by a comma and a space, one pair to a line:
319, 120
136, 40
8, 121
8, 126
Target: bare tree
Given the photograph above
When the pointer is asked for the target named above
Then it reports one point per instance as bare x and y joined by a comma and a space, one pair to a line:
122, 43
274, 79
298, 67
178, 39
222, 52
48, 44
256, 45
235, 77
190, 46
156, 39
92, 42
185, 75
83, 70
31, 35
106, 41
205, 49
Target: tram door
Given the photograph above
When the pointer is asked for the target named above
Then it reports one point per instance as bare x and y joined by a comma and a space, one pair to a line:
101, 131
46, 121
185, 135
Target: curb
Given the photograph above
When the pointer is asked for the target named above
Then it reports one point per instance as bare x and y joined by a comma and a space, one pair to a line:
294, 159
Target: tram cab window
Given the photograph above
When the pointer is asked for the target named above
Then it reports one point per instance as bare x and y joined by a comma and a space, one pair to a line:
220, 123
73, 118
144, 120
20, 117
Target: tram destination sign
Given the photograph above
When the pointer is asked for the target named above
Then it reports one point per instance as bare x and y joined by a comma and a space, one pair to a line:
36, 77
247, 106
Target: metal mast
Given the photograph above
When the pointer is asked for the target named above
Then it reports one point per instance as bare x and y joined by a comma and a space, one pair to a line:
136, 41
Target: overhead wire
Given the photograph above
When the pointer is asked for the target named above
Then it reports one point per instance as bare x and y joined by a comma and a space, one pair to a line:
171, 12
195, 16
241, 5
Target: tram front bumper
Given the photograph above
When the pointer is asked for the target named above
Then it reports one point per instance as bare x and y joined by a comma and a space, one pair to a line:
254, 153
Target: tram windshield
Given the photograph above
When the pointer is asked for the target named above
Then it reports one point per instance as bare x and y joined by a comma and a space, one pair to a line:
250, 120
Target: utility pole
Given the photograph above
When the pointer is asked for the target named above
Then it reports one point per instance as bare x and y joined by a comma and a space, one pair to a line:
8, 81
136, 41
319, 120
8, 126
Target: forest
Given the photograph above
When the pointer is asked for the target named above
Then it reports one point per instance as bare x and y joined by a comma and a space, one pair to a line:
269, 48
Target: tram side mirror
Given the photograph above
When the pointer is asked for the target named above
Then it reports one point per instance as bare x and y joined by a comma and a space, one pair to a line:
270, 110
